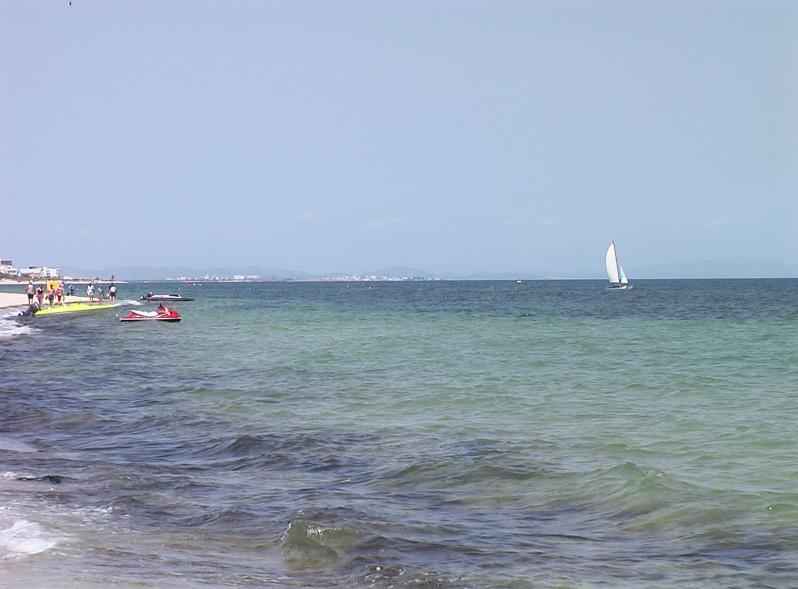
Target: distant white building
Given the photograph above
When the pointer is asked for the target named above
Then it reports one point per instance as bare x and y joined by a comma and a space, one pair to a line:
7, 267
40, 272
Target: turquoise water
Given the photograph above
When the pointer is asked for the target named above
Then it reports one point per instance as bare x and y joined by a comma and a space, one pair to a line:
434, 434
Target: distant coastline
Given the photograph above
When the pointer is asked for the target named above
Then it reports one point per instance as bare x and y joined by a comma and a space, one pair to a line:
9, 282
24, 281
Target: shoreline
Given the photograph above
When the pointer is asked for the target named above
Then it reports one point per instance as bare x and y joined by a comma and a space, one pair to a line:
10, 300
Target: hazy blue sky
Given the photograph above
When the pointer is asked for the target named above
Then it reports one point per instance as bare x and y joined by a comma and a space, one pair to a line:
454, 136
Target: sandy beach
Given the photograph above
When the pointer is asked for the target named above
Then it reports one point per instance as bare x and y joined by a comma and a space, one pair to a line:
12, 299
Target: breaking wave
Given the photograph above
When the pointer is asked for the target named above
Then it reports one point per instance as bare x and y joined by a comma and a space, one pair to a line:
11, 326
306, 543
23, 538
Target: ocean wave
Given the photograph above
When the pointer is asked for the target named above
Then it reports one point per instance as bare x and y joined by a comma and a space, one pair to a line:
442, 474
306, 543
11, 445
246, 444
23, 538
310, 451
398, 577
10, 326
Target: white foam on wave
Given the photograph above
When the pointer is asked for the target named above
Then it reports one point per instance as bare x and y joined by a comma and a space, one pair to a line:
10, 326
24, 537
30, 525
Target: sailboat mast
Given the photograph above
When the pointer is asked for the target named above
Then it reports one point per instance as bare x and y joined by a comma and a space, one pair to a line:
617, 264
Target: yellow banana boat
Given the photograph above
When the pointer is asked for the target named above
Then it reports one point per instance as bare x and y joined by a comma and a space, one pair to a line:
72, 308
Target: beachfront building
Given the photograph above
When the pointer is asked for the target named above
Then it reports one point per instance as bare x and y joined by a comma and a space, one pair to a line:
7, 267
40, 272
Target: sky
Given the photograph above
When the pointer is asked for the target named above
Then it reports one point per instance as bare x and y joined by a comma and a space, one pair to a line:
464, 137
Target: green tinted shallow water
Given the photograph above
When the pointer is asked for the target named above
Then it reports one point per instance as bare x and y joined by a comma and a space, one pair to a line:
430, 434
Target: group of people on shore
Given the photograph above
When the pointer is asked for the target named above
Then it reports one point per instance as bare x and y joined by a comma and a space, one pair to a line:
96, 290
55, 291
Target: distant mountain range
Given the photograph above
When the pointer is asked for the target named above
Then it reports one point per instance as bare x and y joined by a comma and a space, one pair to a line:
163, 272
726, 268
731, 268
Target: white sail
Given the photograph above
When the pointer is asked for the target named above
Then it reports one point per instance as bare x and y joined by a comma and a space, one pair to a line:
612, 264
624, 279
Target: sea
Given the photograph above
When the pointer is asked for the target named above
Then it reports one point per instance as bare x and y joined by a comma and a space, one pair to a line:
406, 435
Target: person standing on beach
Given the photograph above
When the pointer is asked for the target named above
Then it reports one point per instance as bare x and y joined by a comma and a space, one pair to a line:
40, 296
30, 290
50, 294
59, 293
112, 292
101, 292
90, 292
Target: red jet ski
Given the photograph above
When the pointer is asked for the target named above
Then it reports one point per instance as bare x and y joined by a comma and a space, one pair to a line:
160, 314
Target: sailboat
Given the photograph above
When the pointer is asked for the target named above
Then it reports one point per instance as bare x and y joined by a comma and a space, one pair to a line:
615, 273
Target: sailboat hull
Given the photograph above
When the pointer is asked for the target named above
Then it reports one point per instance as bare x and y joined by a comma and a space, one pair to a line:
620, 287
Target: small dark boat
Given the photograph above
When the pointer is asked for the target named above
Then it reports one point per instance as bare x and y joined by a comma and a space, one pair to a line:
160, 314
165, 297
